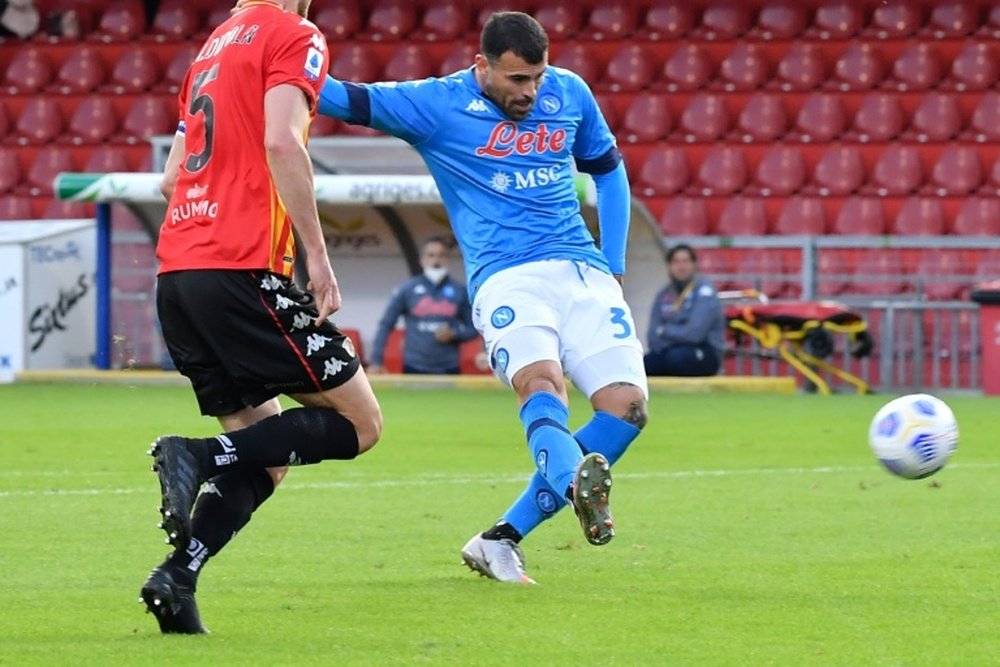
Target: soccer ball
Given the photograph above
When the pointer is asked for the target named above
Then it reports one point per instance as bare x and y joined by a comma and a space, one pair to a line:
913, 436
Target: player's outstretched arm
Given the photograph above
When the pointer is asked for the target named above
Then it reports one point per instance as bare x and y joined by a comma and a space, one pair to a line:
614, 210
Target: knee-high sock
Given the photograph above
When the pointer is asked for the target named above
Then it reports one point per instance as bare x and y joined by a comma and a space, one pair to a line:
555, 452
604, 433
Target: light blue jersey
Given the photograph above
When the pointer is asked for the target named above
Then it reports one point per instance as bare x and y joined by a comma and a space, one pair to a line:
507, 186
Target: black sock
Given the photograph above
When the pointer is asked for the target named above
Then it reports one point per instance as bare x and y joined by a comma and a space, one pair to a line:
295, 437
223, 507
503, 530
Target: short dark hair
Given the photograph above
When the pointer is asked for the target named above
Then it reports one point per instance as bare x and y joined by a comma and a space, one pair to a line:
682, 247
437, 238
516, 32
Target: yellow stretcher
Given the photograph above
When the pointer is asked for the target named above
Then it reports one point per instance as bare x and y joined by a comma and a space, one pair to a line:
802, 333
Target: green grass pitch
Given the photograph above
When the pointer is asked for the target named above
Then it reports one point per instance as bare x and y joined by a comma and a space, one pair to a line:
752, 530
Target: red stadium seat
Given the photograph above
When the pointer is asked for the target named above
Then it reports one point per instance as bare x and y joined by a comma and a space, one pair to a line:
49, 161
355, 64
29, 71
612, 20
957, 172
648, 118
919, 216
879, 118
936, 118
944, 274
65, 210
338, 20
974, 68
148, 117
462, 56
898, 172
407, 63
10, 171
722, 172
4, 122
895, 19
952, 19
82, 71
94, 121
801, 68
765, 271
839, 171
576, 57
668, 19
992, 185
917, 68
802, 215
859, 68
744, 68
14, 207
880, 272
688, 68
860, 216
488, 7
391, 20
472, 359
665, 172
706, 118
121, 21
979, 216
781, 172
176, 20
610, 113
821, 118
177, 68
135, 71
685, 216
217, 15
991, 27
742, 216
724, 21
780, 20
984, 125
40, 121
561, 18
629, 70
106, 159
763, 119
841, 19
445, 20
833, 272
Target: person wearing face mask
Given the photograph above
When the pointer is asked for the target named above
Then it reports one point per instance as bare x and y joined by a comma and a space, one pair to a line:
436, 314
687, 326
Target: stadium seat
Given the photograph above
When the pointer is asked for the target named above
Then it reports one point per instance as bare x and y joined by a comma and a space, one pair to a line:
763, 119
839, 171
860, 216
14, 207
801, 215
801, 68
765, 271
176, 20
392, 355
898, 172
919, 216
958, 172
82, 71
149, 116
949, 20
918, 67
29, 71
57, 209
444, 21
780, 20
612, 20
781, 172
833, 273
744, 68
407, 63
216, 16
685, 216
820, 119
462, 56
49, 161
610, 112
978, 216
338, 20
895, 19
974, 68
4, 121
724, 21
487, 7
991, 26
944, 274
355, 64
984, 125
391, 20
667, 20
706, 118
177, 68
742, 216
93, 122
576, 57
880, 272
561, 18
472, 359
106, 159
648, 118
688, 68
936, 118
879, 118
628, 70
992, 185
40, 121
10, 171
135, 71
121, 21
841, 19
859, 68
665, 172
723, 172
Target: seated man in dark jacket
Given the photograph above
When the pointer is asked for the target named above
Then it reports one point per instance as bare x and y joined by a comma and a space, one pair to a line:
687, 326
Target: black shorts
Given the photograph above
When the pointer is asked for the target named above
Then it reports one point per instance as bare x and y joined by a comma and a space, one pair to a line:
244, 337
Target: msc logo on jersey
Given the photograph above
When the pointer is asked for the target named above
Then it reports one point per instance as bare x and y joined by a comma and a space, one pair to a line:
522, 180
314, 63
550, 103
476, 105
502, 317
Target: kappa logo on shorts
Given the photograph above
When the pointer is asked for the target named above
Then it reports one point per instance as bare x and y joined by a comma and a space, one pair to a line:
283, 302
301, 321
502, 317
546, 502
315, 343
270, 283
332, 367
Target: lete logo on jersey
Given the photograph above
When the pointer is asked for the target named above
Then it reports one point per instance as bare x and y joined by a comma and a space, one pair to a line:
505, 139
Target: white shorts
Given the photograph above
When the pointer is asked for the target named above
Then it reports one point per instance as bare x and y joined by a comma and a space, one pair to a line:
563, 311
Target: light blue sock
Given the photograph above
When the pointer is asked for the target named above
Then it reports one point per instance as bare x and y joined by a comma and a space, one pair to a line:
604, 433
555, 452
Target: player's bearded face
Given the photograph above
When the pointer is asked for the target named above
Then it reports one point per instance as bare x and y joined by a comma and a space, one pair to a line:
511, 83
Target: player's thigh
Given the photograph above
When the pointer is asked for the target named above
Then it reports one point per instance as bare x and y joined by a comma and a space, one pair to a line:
356, 402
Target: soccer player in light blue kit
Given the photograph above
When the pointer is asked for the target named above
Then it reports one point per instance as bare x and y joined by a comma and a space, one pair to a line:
500, 140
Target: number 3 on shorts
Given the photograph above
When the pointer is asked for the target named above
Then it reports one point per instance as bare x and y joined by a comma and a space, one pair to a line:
618, 318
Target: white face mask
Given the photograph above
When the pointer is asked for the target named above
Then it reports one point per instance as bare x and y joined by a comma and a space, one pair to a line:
435, 274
